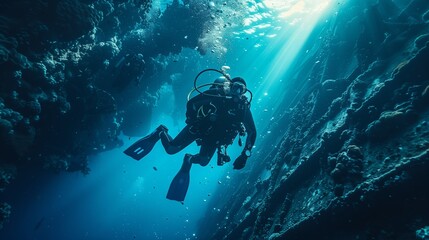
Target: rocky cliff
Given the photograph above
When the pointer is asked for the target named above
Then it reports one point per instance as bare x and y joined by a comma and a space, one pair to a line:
353, 161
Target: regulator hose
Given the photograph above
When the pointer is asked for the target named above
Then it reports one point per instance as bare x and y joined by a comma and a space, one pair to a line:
197, 88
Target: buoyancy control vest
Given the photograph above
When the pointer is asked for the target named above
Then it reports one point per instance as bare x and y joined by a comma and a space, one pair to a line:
216, 119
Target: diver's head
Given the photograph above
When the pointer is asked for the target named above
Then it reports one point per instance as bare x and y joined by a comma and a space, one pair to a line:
219, 83
238, 86
220, 80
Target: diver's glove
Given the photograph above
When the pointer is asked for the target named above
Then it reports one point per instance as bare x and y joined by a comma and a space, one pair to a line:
241, 160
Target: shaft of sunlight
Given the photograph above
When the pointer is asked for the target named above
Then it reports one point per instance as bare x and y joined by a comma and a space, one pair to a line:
300, 20
290, 24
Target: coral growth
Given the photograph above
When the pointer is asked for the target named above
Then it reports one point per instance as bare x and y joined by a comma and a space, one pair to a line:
5, 212
74, 19
7, 174
389, 123
348, 168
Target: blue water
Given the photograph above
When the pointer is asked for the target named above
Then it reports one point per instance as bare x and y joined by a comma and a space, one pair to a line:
125, 199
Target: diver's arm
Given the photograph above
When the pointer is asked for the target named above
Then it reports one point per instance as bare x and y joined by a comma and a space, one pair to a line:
250, 129
248, 122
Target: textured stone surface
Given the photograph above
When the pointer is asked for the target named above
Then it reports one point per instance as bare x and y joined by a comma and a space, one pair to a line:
353, 161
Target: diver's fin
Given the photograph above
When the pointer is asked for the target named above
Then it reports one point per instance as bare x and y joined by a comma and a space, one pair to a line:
143, 146
179, 185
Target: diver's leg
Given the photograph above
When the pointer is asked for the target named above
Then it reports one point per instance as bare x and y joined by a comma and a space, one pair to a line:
206, 153
182, 140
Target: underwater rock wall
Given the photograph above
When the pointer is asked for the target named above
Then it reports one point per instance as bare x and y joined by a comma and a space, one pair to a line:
49, 101
75, 73
354, 160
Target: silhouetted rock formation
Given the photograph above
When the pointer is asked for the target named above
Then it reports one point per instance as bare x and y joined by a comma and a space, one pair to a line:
353, 162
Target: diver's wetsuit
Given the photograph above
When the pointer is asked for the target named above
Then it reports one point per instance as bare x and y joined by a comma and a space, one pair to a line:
182, 140
230, 114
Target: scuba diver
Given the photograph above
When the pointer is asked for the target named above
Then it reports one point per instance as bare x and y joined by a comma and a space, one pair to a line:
214, 118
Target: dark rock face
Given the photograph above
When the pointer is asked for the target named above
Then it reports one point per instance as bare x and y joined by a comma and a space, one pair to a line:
74, 73
353, 162
73, 19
